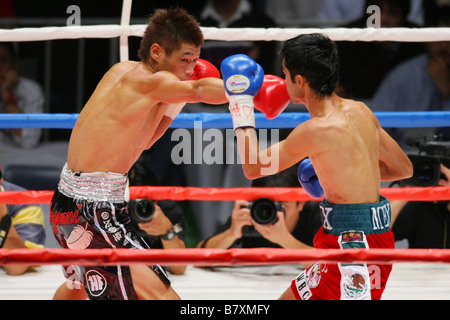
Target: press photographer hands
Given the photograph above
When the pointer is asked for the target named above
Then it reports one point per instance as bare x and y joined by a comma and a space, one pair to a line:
159, 224
446, 172
276, 232
276, 229
154, 222
240, 217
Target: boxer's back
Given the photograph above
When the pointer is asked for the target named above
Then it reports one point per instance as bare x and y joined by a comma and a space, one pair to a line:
347, 153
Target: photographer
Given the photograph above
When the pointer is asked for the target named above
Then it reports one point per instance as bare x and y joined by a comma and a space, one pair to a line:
293, 228
423, 224
166, 227
165, 230
21, 226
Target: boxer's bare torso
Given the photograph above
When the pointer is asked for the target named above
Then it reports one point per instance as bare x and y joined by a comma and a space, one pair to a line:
348, 147
350, 151
117, 123
125, 114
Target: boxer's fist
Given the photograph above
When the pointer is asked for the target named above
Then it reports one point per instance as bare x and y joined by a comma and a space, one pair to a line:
204, 69
242, 75
273, 97
308, 179
243, 78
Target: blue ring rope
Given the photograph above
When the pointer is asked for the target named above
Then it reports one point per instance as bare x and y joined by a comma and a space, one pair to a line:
286, 120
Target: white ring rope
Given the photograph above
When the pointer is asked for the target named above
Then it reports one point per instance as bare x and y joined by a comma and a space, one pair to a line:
231, 34
125, 22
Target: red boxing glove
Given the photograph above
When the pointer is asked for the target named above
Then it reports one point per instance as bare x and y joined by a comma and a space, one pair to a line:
204, 69
273, 97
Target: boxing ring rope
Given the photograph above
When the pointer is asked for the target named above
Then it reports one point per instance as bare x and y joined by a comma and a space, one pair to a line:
219, 257
125, 30
231, 194
223, 257
230, 34
208, 257
410, 119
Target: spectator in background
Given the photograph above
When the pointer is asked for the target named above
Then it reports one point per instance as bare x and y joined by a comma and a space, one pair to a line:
431, 10
346, 11
293, 13
339, 12
364, 65
237, 14
424, 224
7, 9
18, 95
27, 226
419, 84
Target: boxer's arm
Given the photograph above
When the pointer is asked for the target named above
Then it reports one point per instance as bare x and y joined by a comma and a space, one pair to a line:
394, 163
160, 130
257, 162
246, 85
208, 90
222, 240
175, 93
167, 88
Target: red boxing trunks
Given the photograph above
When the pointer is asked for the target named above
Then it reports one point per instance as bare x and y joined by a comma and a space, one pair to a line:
89, 211
347, 227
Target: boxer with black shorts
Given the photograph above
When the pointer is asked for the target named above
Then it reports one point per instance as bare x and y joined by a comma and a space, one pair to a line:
131, 108
343, 153
89, 212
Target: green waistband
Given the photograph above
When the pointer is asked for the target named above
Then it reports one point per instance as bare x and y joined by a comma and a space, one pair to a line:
371, 218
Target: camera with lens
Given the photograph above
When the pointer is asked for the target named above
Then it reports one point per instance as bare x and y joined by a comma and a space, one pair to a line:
141, 210
263, 211
427, 163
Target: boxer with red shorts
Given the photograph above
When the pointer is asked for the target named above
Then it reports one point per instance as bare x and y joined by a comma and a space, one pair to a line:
343, 154
88, 211
347, 226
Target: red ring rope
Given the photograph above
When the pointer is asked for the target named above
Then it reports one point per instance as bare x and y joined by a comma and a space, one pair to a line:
208, 257
230, 194
223, 257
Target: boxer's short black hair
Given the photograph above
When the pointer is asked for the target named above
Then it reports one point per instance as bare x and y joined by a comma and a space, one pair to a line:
170, 28
315, 57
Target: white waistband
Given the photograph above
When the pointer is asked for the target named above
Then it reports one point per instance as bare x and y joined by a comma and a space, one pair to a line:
95, 186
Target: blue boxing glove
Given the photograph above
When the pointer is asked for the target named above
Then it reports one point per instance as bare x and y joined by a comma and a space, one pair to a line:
243, 78
308, 179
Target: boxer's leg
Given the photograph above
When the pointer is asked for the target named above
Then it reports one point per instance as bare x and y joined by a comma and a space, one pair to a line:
149, 285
